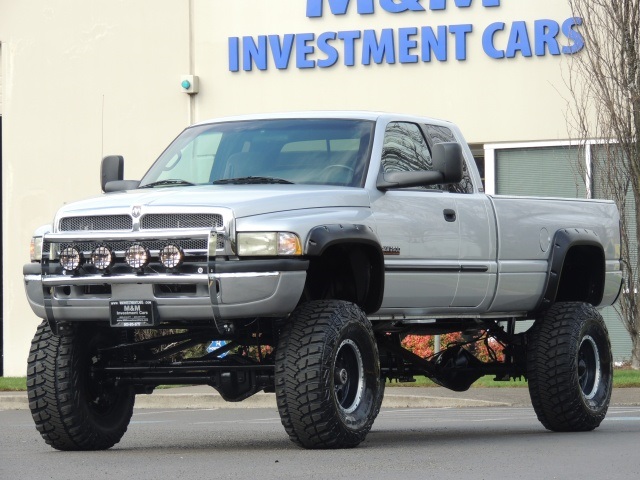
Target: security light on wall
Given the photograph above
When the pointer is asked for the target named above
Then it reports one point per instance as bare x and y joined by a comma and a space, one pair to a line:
190, 84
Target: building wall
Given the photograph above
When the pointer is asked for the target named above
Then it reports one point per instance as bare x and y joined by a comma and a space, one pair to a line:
83, 79
80, 80
511, 99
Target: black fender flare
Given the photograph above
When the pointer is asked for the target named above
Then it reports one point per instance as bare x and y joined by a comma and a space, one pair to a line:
322, 237
563, 240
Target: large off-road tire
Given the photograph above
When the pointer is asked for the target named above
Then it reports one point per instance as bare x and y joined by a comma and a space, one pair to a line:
569, 368
380, 397
328, 375
72, 408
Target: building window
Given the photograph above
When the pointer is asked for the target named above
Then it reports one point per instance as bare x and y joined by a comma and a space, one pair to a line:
541, 172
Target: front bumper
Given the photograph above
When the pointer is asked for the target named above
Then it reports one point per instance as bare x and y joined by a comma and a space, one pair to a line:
230, 290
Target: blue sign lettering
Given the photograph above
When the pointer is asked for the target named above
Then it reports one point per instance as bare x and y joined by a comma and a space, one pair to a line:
488, 37
442, 4
338, 7
329, 50
253, 52
519, 40
546, 37
572, 35
546, 33
281, 52
215, 345
234, 54
399, 6
406, 44
434, 43
460, 32
349, 38
303, 50
402, 45
372, 49
366, 7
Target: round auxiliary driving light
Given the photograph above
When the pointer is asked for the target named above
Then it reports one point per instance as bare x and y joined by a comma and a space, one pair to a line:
171, 256
70, 258
136, 256
102, 258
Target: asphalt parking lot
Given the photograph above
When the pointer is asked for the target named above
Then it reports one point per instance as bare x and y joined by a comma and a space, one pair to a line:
408, 443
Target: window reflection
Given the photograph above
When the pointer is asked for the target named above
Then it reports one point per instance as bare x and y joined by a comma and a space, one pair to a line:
405, 149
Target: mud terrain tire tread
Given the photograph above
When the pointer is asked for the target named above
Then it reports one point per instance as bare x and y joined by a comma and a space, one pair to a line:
58, 396
305, 360
552, 368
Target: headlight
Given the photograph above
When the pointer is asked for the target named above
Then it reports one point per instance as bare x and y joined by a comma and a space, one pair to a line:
102, 257
289, 244
35, 249
171, 256
268, 243
70, 258
136, 256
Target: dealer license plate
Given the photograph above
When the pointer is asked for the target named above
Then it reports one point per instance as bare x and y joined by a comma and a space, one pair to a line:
132, 313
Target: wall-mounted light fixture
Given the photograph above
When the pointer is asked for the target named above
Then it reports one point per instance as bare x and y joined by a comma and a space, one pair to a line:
190, 84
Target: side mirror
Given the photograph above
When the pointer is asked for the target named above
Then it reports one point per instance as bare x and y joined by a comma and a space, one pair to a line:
112, 174
448, 160
420, 178
447, 168
111, 170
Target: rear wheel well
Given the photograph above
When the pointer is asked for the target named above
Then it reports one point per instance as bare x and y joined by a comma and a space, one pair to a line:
582, 276
347, 271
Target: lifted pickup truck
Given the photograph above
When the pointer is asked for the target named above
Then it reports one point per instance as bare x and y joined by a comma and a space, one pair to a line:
312, 244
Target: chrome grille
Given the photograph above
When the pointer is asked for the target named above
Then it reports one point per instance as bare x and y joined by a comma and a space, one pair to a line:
152, 221
162, 221
96, 223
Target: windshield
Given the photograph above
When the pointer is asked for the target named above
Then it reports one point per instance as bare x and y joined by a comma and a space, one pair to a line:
308, 151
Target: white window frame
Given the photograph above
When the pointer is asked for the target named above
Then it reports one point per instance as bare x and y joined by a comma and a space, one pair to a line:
490, 159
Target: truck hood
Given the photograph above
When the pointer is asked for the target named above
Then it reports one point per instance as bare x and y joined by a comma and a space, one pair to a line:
243, 200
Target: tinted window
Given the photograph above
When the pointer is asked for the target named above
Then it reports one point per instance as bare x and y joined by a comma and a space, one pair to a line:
311, 151
405, 149
439, 134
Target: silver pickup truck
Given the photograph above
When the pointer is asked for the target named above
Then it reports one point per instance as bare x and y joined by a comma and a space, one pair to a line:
309, 246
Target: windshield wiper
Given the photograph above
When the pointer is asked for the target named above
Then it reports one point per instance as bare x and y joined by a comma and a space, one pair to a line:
249, 180
162, 183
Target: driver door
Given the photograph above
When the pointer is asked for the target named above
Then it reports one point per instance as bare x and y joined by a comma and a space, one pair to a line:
418, 228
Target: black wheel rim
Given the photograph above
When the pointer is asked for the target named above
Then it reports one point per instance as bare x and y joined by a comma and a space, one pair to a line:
103, 396
589, 368
348, 376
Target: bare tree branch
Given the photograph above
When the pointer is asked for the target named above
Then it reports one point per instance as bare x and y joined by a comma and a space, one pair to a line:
604, 81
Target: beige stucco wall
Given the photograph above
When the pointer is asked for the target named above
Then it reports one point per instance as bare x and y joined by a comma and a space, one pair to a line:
86, 78
81, 79
516, 99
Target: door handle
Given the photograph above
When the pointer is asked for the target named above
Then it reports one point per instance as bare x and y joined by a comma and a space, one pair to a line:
449, 215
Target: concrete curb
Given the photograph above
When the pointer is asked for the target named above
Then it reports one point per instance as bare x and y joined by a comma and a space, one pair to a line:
203, 397
421, 401
14, 401
159, 400
268, 400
